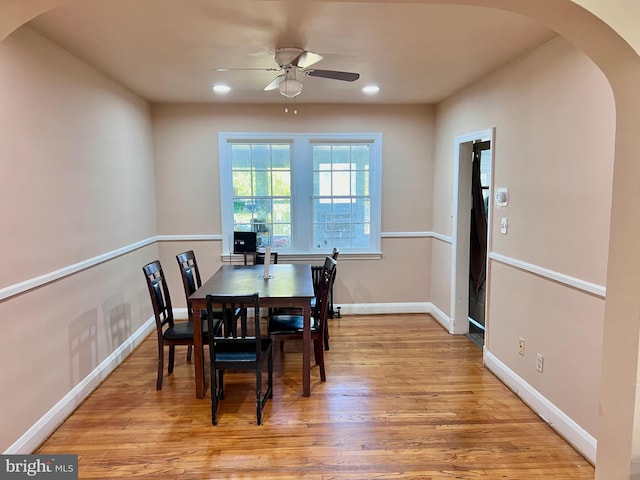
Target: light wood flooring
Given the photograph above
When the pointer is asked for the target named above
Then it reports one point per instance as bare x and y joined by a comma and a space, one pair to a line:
414, 403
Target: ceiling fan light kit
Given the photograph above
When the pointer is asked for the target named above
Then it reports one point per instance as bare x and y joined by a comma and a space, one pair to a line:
290, 87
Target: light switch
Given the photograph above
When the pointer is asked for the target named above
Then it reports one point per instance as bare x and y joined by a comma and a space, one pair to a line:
504, 225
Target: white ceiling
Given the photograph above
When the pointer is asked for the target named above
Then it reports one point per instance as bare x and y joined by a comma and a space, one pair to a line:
168, 50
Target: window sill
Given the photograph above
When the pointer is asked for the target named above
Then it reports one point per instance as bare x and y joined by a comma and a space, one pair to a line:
238, 259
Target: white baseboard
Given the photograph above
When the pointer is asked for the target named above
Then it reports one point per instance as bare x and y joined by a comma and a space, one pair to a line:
46, 425
442, 318
575, 435
382, 308
391, 308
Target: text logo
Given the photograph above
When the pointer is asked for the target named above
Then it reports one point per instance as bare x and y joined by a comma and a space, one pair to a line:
51, 467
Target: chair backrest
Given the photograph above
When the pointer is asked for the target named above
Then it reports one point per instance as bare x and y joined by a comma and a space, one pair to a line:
159, 293
335, 253
257, 258
234, 308
325, 282
189, 271
318, 270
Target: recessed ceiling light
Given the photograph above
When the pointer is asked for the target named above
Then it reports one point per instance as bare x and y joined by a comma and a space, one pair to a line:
222, 89
371, 89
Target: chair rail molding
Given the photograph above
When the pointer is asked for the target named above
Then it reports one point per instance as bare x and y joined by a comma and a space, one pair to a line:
582, 285
30, 284
439, 236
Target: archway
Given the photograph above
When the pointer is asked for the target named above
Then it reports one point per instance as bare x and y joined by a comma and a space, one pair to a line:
621, 64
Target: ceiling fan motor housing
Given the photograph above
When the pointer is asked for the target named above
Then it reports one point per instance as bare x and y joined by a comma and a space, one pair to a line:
285, 56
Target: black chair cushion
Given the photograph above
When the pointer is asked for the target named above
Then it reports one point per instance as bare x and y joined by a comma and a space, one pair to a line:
179, 331
183, 331
288, 324
240, 352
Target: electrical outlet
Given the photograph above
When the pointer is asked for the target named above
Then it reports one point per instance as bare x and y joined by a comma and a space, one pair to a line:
539, 362
521, 346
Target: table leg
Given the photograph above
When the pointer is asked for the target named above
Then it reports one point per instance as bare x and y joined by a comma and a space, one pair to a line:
198, 360
306, 351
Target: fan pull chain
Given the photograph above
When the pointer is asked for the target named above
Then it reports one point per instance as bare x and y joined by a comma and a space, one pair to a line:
295, 108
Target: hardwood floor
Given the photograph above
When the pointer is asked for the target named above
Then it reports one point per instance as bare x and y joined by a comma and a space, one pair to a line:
418, 405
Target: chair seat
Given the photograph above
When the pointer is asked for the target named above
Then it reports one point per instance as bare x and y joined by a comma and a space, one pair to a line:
179, 331
183, 331
289, 324
240, 352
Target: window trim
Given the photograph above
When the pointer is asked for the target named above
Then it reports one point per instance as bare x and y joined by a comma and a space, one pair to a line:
302, 146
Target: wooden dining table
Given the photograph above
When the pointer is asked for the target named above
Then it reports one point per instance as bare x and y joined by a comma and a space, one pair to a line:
287, 285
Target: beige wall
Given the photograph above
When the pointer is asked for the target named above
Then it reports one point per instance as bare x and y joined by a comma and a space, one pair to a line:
187, 179
77, 182
554, 116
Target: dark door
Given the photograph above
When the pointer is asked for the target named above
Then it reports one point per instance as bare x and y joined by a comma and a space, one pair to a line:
478, 241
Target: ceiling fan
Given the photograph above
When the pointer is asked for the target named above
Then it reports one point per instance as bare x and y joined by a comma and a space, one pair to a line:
291, 61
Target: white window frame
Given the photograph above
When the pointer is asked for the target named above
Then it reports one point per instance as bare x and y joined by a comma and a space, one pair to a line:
302, 185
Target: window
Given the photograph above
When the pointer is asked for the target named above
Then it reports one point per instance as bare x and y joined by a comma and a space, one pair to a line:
302, 193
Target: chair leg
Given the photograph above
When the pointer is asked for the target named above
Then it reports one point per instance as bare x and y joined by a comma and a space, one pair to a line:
326, 336
189, 353
214, 396
259, 395
160, 366
270, 373
318, 348
172, 355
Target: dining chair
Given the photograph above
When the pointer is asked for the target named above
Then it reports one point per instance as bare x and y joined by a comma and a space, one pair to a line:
169, 332
257, 258
316, 275
233, 349
289, 326
191, 281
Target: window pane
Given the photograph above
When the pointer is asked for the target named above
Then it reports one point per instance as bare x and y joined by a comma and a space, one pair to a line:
341, 157
361, 183
261, 156
281, 183
242, 184
362, 210
360, 157
281, 237
262, 185
243, 213
240, 156
322, 184
281, 157
322, 209
281, 211
341, 184
321, 157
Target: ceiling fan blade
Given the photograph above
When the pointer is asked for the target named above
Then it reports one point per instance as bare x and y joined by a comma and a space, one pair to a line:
333, 74
231, 69
306, 59
274, 83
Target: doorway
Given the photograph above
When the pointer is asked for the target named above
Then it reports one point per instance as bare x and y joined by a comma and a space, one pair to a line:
469, 296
